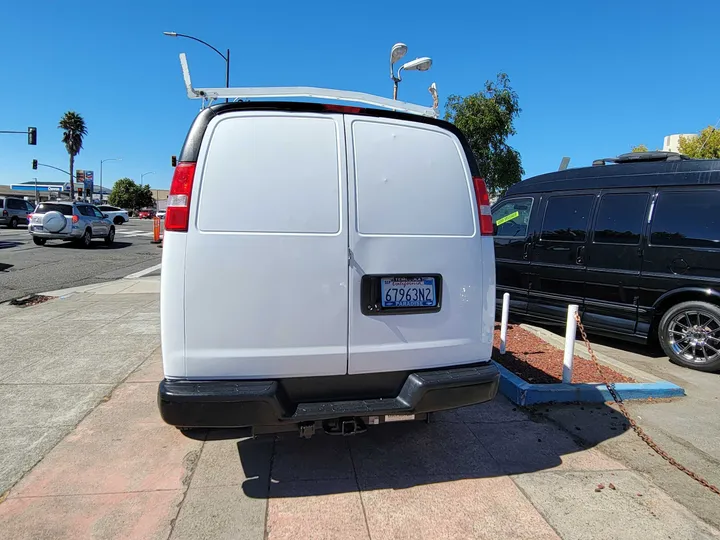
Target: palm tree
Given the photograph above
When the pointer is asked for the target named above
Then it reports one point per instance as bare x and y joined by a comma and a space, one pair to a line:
74, 130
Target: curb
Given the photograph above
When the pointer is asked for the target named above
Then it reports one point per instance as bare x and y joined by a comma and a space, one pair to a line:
524, 393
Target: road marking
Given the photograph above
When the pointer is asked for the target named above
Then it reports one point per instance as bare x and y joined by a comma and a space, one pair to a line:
142, 273
134, 233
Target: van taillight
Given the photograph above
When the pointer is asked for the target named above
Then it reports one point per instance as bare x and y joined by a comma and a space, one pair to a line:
75, 219
177, 216
483, 202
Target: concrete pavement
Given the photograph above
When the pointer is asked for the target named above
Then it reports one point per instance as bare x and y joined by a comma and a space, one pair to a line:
487, 471
687, 428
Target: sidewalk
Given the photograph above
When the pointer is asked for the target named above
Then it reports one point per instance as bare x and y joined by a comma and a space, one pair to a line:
113, 469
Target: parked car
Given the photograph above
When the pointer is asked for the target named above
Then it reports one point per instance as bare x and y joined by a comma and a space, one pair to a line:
76, 221
635, 244
117, 215
160, 214
14, 211
146, 214
332, 294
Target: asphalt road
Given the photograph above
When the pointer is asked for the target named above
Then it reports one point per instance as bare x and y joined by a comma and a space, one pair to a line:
26, 268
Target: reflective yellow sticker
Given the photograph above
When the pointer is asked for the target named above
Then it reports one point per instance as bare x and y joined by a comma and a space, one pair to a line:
507, 218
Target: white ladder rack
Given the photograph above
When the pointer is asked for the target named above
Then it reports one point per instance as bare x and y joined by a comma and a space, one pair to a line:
208, 95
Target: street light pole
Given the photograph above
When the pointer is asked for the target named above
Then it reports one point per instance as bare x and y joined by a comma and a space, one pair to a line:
101, 178
419, 64
223, 56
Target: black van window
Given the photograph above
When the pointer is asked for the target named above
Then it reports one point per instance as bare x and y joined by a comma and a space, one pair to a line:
512, 217
620, 218
15, 204
566, 218
686, 219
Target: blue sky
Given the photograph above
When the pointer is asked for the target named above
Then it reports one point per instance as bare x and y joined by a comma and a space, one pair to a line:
593, 78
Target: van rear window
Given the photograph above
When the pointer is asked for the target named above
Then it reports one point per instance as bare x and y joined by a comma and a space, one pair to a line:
686, 219
64, 209
272, 174
410, 180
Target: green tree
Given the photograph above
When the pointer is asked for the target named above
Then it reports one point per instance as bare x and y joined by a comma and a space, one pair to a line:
705, 146
486, 119
74, 131
640, 148
127, 194
144, 197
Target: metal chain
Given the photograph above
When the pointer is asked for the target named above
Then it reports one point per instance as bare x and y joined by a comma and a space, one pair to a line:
640, 432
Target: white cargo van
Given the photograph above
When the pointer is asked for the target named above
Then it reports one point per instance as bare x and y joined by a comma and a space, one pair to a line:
324, 267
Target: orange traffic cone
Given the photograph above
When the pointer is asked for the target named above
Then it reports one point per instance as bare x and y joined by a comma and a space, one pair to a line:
156, 230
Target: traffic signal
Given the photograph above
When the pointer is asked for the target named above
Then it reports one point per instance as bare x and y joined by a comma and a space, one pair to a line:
80, 191
34, 163
32, 136
173, 161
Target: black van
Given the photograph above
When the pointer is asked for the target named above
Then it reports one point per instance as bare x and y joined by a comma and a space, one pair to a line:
633, 240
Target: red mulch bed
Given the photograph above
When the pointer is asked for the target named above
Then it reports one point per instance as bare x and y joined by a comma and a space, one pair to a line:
536, 361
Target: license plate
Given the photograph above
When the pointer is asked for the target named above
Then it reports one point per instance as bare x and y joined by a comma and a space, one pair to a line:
37, 228
408, 292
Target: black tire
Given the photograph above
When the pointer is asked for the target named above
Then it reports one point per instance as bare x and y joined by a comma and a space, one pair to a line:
118, 220
86, 239
39, 241
13, 223
689, 333
110, 238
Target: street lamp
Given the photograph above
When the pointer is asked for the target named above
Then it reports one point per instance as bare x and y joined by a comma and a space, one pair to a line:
143, 175
419, 64
101, 181
225, 57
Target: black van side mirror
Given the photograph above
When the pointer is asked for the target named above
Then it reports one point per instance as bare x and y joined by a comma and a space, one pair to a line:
495, 229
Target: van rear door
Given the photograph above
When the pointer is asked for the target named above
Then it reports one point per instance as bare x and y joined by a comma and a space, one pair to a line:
266, 264
422, 289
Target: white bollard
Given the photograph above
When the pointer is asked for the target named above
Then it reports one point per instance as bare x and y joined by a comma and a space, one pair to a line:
504, 322
570, 329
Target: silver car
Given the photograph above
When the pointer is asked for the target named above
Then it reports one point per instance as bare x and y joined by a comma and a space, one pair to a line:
14, 211
77, 221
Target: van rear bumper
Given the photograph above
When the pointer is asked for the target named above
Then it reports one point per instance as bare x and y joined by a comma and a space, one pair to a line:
220, 404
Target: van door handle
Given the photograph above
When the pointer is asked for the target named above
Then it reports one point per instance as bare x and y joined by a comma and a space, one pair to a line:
526, 250
580, 255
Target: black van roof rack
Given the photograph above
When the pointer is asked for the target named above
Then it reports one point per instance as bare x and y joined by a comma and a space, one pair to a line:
639, 157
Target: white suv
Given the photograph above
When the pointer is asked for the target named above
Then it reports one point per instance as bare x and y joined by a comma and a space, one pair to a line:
117, 215
348, 280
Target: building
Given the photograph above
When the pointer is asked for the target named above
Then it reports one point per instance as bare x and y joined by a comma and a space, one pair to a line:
671, 143
160, 196
43, 191
61, 190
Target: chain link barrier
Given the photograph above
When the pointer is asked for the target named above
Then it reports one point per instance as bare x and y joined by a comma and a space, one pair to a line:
640, 432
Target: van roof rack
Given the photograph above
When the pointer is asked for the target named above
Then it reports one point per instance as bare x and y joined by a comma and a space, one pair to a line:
208, 95
638, 157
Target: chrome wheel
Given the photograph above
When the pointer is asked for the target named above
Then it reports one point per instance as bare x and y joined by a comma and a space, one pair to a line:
694, 336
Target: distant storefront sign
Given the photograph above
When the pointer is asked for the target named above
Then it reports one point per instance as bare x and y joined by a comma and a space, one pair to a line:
89, 182
79, 178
